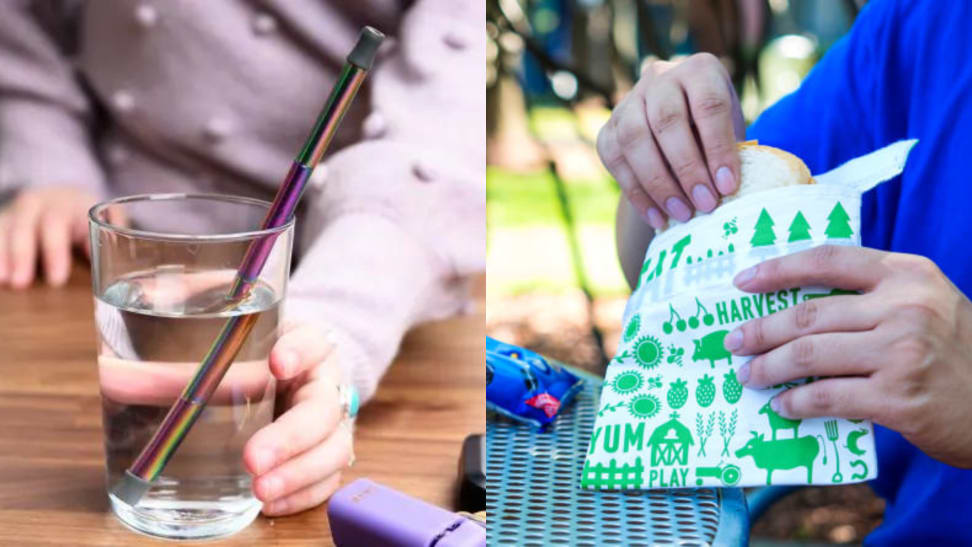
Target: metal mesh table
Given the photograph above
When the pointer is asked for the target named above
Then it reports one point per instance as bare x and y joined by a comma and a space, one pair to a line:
533, 494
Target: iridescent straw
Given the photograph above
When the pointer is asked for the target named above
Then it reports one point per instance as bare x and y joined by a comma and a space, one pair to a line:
150, 462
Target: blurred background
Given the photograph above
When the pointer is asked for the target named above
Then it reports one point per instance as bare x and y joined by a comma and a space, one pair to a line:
554, 70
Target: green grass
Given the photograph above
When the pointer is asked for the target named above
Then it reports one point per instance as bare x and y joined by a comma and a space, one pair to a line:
514, 199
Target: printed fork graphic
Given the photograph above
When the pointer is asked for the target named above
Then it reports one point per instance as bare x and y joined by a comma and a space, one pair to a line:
833, 434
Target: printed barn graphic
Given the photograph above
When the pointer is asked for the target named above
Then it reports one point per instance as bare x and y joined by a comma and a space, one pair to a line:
670, 443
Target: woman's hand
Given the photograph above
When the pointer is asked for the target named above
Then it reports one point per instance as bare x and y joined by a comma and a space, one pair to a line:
899, 354
296, 461
47, 222
671, 142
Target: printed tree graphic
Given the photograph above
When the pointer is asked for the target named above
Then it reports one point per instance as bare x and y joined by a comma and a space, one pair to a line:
799, 228
763, 235
838, 223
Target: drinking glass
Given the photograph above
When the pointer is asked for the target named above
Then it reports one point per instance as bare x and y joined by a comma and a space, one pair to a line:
162, 267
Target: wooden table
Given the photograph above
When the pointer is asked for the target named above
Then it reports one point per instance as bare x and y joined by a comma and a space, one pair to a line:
51, 456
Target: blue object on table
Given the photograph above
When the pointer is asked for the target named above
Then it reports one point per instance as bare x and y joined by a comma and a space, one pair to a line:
534, 498
525, 386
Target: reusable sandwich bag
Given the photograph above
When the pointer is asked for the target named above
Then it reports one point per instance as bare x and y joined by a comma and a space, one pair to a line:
672, 412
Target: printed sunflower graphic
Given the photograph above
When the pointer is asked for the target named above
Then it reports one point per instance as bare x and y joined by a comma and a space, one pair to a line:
628, 381
644, 406
648, 352
634, 325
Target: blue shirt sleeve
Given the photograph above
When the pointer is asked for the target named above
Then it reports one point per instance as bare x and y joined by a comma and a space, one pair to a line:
829, 119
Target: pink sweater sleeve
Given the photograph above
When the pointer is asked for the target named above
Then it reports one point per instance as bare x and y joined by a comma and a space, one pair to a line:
44, 113
398, 223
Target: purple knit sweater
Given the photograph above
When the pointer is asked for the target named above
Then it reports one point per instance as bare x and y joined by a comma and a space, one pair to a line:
217, 97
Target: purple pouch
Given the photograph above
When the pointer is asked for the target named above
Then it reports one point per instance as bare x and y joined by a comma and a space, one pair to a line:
365, 514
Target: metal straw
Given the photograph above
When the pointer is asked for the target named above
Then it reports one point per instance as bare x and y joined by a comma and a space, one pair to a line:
150, 462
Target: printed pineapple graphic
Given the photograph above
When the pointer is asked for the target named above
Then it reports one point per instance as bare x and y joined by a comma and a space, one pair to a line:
677, 394
706, 392
731, 389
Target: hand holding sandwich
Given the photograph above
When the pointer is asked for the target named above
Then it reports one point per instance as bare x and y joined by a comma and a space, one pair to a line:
899, 354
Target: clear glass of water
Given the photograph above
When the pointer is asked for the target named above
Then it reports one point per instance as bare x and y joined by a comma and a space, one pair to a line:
162, 267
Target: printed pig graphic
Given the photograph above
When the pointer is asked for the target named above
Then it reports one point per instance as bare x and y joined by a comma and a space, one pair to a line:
783, 454
710, 348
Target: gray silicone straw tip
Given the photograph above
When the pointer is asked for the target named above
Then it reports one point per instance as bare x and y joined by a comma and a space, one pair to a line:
363, 54
131, 488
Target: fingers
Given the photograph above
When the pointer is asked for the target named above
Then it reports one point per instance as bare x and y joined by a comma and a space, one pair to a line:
829, 354
55, 241
832, 314
613, 159
299, 350
675, 136
323, 460
22, 242
851, 398
670, 121
711, 103
314, 416
309, 497
853, 268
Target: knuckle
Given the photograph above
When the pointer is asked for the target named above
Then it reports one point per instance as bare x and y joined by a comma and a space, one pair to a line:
805, 315
915, 351
802, 351
711, 105
704, 59
819, 398
687, 169
920, 266
665, 116
755, 330
823, 257
631, 132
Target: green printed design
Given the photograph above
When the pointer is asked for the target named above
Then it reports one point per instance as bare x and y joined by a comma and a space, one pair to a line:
712, 348
833, 433
703, 429
838, 223
763, 232
799, 228
727, 429
648, 352
728, 474
783, 453
634, 325
677, 394
777, 422
731, 388
675, 355
705, 392
613, 476
611, 408
655, 382
862, 474
628, 381
670, 443
729, 228
644, 406
852, 439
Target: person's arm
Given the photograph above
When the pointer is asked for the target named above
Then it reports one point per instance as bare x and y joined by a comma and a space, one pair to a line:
45, 149
399, 221
632, 237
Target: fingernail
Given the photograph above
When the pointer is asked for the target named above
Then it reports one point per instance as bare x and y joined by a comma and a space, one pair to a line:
733, 341
678, 209
744, 276
703, 197
724, 181
743, 374
777, 407
655, 218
